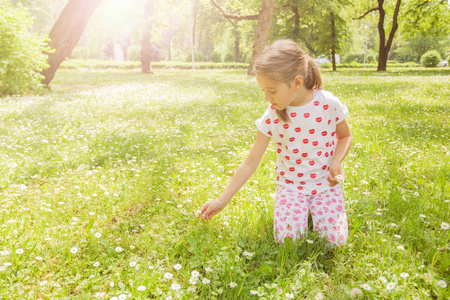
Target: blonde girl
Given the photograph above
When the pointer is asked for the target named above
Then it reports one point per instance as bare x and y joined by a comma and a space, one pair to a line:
311, 138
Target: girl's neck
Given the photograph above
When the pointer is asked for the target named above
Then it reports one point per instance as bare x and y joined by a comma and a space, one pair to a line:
304, 96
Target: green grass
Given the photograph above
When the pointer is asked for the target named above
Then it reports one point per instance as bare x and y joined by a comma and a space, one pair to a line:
113, 158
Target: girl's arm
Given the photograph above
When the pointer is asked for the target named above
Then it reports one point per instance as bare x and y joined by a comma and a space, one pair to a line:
344, 142
242, 174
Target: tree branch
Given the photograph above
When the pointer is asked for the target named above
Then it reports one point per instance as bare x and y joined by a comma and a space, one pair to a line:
365, 14
235, 17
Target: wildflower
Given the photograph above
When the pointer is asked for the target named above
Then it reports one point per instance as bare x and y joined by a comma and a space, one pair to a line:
43, 283
390, 285
318, 296
119, 249
442, 284
422, 216
355, 293
254, 292
100, 295
340, 178
193, 280
122, 297
191, 289
7, 264
97, 234
226, 224
394, 225
289, 296
96, 264
168, 276
4, 252
383, 279
232, 284
207, 270
444, 225
111, 284
416, 194
2, 268
19, 251
401, 248
366, 287
198, 213
177, 267
114, 298
74, 250
397, 236
133, 264
309, 241
169, 297
132, 247
404, 275
206, 281
175, 286
38, 258
195, 273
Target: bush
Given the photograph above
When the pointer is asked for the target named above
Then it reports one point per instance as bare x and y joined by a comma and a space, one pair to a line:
353, 57
216, 57
198, 56
21, 53
326, 65
430, 59
134, 53
229, 57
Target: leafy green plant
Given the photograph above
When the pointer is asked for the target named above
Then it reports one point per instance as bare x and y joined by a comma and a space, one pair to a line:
430, 59
21, 52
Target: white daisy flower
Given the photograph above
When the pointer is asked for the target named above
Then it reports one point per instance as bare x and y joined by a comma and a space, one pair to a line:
177, 267
193, 280
232, 284
132, 247
122, 297
119, 249
444, 225
141, 288
97, 234
2, 268
19, 251
289, 296
309, 241
383, 279
442, 284
111, 284
133, 264
38, 258
207, 270
401, 248
44, 282
390, 285
404, 275
397, 236
168, 276
73, 250
366, 287
318, 296
175, 286
96, 264
195, 273
254, 292
206, 281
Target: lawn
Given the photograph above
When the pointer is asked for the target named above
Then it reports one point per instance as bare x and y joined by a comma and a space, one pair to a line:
101, 177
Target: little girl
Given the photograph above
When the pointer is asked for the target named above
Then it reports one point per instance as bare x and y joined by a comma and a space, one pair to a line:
311, 137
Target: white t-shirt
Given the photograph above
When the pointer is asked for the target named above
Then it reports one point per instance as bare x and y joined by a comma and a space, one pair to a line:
305, 146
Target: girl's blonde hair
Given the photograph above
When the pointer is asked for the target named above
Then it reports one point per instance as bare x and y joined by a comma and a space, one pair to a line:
282, 61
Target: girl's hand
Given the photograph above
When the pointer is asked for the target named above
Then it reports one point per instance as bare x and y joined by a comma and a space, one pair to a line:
211, 208
335, 170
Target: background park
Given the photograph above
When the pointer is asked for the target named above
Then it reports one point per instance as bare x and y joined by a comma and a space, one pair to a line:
119, 119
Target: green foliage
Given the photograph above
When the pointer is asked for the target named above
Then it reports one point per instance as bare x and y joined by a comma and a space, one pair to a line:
215, 57
229, 57
21, 57
134, 53
326, 65
430, 59
198, 56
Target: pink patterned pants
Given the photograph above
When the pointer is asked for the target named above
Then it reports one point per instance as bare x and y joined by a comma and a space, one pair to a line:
327, 211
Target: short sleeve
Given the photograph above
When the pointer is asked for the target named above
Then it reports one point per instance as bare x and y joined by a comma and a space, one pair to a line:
341, 111
264, 123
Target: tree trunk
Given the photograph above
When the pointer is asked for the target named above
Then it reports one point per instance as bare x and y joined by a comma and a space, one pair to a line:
384, 49
237, 39
262, 32
296, 20
66, 33
333, 39
146, 51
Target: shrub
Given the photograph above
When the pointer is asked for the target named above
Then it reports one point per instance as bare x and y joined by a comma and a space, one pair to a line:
21, 52
198, 56
134, 53
430, 59
229, 57
215, 57
326, 65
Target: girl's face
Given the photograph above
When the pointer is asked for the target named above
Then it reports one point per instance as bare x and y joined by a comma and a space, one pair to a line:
280, 94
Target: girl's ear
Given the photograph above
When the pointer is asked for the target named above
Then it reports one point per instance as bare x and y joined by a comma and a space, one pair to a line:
298, 82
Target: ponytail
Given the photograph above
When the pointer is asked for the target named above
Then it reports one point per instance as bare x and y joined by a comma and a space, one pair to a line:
313, 80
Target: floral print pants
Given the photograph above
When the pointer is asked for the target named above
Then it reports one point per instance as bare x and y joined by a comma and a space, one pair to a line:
327, 211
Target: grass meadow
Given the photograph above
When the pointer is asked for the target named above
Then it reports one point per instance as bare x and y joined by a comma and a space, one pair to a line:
101, 177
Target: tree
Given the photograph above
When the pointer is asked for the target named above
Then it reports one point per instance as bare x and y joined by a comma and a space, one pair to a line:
264, 18
146, 46
66, 33
418, 13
